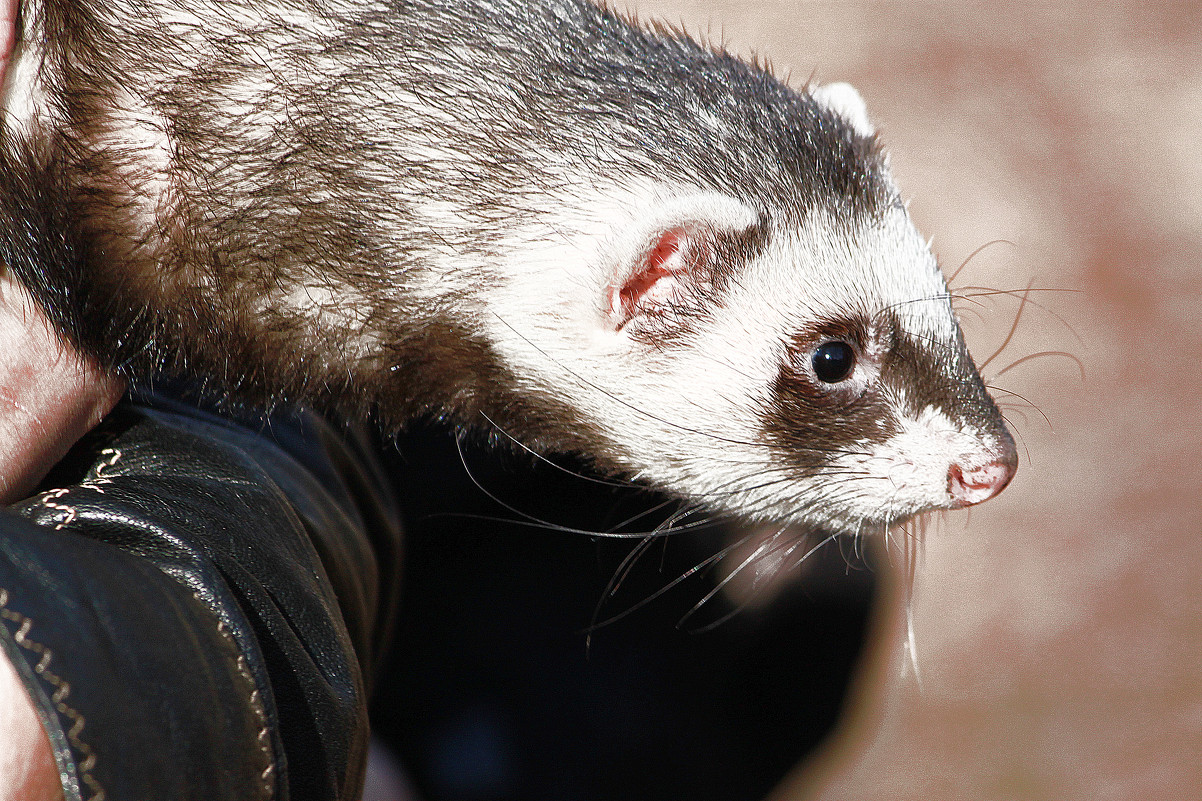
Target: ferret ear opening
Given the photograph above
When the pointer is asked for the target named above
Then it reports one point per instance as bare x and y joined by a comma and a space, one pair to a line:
659, 274
676, 259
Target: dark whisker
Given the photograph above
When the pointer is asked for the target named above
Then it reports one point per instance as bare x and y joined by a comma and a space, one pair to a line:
1014, 394
1041, 354
975, 253
970, 292
1018, 433
1009, 335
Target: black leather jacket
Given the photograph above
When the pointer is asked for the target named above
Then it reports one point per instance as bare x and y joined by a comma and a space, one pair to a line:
194, 606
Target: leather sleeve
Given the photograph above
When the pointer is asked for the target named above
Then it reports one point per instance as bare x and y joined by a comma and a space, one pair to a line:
194, 606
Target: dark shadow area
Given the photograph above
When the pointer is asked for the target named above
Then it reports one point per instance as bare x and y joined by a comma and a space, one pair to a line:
494, 692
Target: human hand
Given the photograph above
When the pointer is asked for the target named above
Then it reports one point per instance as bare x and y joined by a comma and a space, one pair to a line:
50, 396
26, 760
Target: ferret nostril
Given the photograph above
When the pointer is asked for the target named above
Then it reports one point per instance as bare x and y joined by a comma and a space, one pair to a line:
979, 484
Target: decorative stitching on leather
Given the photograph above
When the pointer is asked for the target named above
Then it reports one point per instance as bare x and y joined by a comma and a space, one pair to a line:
98, 478
69, 514
267, 775
94, 482
49, 499
59, 697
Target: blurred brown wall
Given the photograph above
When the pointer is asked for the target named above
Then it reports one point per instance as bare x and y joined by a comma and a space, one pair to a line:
1059, 627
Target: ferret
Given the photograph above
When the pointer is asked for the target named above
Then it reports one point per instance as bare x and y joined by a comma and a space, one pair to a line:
596, 235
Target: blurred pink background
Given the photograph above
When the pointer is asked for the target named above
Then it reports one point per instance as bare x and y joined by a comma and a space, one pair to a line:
1059, 627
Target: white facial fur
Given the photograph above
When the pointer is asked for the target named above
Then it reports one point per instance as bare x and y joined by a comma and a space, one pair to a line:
689, 417
908, 473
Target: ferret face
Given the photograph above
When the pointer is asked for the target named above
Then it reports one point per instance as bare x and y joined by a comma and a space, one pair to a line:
788, 359
876, 402
809, 373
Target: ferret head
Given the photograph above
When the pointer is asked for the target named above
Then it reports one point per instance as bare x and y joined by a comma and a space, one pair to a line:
796, 364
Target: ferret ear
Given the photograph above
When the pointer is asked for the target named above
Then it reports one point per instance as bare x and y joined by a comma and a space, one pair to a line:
672, 255
658, 275
844, 100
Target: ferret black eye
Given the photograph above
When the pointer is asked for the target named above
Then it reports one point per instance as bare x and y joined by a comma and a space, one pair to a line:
833, 361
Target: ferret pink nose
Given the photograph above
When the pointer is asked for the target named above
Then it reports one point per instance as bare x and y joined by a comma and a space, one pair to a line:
970, 487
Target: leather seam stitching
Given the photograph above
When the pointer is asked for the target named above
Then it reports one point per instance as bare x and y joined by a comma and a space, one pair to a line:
58, 697
267, 775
